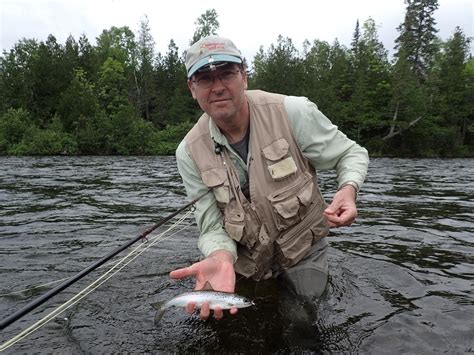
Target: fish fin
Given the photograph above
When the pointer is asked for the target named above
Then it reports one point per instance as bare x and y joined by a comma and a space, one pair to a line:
160, 310
157, 305
159, 315
207, 287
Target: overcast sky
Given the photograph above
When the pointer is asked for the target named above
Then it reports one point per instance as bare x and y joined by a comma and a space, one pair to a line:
250, 24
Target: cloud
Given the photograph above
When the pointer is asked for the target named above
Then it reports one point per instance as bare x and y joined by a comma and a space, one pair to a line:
250, 23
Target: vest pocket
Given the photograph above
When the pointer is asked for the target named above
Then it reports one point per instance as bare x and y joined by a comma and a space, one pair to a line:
294, 244
280, 165
234, 224
293, 247
235, 230
276, 150
216, 179
291, 204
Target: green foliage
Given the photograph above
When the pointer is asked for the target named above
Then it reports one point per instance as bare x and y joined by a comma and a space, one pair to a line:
129, 132
16, 84
20, 136
145, 92
112, 86
117, 43
279, 69
79, 100
166, 141
94, 136
207, 25
14, 126
121, 97
45, 142
416, 42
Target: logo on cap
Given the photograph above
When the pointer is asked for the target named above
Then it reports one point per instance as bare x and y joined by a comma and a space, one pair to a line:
211, 46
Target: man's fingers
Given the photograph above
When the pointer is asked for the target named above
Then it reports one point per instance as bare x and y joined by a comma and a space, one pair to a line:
334, 221
184, 272
205, 311
329, 211
218, 314
190, 307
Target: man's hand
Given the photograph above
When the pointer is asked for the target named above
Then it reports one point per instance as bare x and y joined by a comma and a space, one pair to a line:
342, 211
217, 270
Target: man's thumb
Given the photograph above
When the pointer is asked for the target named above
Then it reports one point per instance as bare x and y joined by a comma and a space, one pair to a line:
181, 273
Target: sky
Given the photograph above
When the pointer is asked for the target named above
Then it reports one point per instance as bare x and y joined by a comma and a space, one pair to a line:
248, 23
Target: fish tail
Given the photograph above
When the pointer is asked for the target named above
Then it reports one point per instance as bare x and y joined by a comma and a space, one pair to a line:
159, 315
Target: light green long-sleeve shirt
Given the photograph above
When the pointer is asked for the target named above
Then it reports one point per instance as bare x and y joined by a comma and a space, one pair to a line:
321, 143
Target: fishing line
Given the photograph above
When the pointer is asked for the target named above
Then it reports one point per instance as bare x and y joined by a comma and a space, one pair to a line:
43, 285
97, 283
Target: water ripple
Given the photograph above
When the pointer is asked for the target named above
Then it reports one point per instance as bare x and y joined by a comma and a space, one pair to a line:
401, 277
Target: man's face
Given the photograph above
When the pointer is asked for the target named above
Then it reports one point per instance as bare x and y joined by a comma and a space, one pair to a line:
220, 92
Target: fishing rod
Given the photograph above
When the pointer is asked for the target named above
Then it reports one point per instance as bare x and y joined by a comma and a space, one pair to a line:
40, 300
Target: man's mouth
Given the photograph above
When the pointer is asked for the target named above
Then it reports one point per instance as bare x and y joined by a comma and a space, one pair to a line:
218, 100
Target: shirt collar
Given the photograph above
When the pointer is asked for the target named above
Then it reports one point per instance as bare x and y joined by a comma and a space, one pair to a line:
216, 134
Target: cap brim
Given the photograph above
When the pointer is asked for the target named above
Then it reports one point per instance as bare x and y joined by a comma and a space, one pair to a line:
213, 59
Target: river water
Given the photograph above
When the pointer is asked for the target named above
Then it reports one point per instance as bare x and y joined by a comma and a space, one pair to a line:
401, 277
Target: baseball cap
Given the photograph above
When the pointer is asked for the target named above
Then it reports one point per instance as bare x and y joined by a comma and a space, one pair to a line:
211, 50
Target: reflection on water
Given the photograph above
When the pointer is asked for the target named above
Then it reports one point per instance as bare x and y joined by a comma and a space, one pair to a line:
401, 277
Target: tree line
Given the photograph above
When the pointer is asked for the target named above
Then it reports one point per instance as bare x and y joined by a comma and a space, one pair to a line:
121, 97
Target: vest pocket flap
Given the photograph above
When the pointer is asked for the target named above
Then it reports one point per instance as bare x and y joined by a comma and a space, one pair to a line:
319, 232
235, 230
283, 168
293, 247
292, 203
276, 150
287, 208
214, 177
306, 195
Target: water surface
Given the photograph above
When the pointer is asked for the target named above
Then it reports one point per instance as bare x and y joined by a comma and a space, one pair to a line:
401, 277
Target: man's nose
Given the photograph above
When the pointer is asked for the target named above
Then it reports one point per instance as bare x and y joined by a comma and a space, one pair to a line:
217, 84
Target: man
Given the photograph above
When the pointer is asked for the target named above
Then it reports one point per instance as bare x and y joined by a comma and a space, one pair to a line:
259, 152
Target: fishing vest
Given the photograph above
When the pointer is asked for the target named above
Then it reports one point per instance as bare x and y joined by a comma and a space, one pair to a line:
284, 217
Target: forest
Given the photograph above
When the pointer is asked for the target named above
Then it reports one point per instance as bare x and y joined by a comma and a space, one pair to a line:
118, 96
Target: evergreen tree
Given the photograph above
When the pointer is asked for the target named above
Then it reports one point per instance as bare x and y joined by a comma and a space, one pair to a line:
88, 59
175, 103
371, 82
416, 41
51, 76
144, 72
207, 25
416, 49
16, 76
456, 93
111, 97
280, 69
317, 66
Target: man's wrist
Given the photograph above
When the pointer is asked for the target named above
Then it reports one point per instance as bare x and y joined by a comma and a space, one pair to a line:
350, 184
224, 255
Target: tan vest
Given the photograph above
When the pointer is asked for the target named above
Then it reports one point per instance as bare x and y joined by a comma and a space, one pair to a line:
285, 215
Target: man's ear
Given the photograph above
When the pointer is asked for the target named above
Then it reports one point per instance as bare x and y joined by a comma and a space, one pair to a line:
191, 88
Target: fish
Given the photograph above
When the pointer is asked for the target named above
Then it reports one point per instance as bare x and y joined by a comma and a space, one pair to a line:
216, 299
